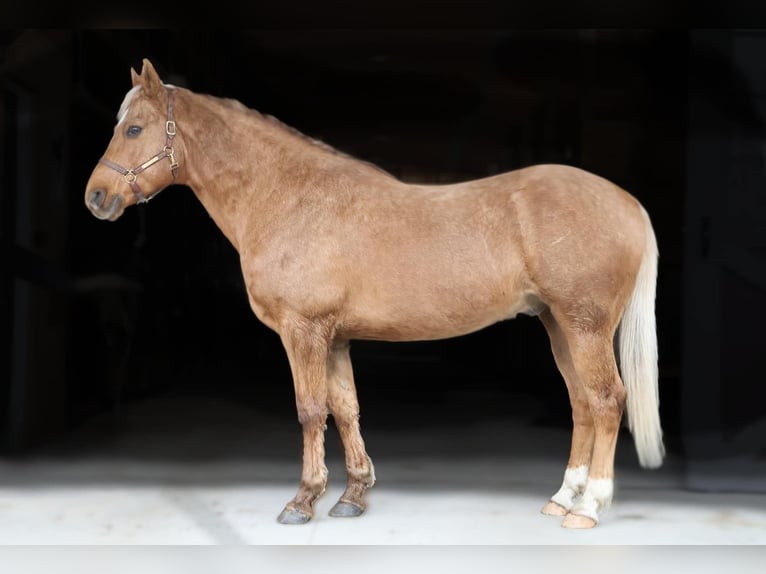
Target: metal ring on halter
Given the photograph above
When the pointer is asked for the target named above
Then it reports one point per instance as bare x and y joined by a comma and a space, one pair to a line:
129, 176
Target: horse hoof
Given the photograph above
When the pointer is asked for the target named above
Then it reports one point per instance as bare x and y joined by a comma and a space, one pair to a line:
346, 510
293, 516
578, 521
554, 509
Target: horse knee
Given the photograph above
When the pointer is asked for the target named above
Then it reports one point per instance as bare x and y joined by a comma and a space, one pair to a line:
311, 413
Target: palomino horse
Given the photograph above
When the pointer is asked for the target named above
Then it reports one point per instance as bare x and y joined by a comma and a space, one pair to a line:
334, 249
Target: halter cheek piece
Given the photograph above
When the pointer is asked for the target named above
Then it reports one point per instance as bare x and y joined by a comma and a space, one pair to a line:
130, 175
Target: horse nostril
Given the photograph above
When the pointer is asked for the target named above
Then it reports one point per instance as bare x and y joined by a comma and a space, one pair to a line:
96, 198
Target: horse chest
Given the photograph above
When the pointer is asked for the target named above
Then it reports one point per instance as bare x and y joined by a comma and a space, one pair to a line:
281, 286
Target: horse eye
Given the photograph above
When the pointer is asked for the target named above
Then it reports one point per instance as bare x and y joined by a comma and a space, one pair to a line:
133, 131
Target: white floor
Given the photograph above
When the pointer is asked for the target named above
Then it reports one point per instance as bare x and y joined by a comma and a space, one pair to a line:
170, 473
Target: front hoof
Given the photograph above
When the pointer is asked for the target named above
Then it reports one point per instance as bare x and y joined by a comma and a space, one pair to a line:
554, 509
346, 510
293, 516
578, 521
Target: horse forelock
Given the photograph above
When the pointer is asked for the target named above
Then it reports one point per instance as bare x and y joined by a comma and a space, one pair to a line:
125, 106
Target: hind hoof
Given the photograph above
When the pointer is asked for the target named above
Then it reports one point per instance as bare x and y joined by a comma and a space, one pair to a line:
346, 510
554, 509
577, 521
293, 516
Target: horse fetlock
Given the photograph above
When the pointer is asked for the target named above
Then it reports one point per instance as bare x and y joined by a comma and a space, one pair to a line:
565, 498
364, 475
574, 484
312, 490
309, 491
596, 498
301, 508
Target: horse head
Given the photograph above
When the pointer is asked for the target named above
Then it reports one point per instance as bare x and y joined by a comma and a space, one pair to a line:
143, 138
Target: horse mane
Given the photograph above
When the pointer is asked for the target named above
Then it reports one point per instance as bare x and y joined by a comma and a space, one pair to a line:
319, 143
290, 129
276, 122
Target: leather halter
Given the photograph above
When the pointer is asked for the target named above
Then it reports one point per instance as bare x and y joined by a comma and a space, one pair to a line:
131, 175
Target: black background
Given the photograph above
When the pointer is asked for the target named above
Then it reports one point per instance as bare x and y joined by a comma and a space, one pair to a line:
154, 305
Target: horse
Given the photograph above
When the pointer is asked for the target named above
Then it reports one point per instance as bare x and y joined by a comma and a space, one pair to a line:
335, 249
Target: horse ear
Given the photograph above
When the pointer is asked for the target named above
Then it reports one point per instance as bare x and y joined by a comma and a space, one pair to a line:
150, 80
134, 77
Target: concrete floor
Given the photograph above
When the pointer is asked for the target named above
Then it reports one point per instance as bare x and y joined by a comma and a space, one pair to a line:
202, 471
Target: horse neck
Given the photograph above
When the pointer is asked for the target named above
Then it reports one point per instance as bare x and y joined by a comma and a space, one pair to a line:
240, 165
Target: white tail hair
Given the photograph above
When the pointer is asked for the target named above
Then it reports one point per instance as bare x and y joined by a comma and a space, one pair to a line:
638, 358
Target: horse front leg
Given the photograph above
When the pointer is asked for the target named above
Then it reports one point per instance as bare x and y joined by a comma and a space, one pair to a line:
345, 410
307, 352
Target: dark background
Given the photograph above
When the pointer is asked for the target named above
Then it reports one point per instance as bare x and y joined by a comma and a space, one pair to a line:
100, 316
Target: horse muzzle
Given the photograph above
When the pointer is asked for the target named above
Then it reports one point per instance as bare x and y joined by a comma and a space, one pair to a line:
96, 201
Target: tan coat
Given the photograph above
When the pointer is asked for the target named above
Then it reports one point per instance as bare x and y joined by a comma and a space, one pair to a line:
334, 249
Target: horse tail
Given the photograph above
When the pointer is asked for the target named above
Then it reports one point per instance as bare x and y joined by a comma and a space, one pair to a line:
638, 358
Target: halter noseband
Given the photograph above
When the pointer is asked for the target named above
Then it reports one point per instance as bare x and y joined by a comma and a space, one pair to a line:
130, 175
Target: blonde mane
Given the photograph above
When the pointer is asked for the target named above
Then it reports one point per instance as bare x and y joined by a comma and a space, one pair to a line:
276, 122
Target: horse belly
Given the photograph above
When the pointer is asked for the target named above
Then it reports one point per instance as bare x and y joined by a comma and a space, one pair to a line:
432, 312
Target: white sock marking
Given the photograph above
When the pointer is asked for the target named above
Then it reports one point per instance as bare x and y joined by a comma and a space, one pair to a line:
597, 496
573, 486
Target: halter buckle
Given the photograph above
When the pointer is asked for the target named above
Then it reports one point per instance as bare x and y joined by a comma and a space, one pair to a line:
170, 128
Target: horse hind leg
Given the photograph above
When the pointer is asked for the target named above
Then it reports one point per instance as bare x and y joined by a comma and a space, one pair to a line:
592, 354
576, 473
344, 407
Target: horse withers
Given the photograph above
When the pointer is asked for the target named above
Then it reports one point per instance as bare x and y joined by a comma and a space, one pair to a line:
334, 249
